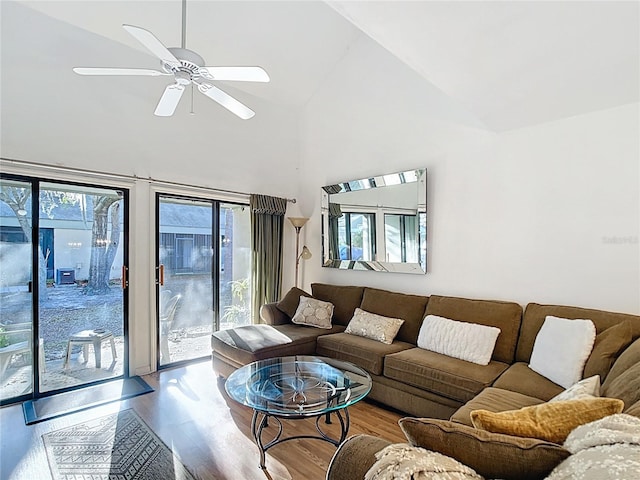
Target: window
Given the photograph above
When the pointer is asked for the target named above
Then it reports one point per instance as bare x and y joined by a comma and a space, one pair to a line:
356, 236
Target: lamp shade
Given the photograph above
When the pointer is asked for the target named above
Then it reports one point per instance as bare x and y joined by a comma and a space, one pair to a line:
298, 222
306, 253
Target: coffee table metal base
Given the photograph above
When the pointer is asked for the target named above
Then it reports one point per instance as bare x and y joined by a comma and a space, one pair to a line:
260, 421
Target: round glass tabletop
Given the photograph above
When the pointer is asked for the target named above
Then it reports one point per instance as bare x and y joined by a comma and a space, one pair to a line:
298, 386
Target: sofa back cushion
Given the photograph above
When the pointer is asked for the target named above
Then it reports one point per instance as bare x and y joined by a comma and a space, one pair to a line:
345, 300
504, 315
289, 303
535, 314
625, 367
410, 308
633, 409
625, 386
609, 344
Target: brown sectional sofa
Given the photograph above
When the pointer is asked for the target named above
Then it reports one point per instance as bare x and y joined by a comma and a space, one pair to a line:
427, 384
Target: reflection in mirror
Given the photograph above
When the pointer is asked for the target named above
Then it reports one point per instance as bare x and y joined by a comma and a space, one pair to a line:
377, 223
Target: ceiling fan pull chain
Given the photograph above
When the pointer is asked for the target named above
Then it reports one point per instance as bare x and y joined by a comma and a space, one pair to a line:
184, 23
192, 112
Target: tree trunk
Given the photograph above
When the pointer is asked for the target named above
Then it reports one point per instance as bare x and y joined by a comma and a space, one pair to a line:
114, 239
103, 247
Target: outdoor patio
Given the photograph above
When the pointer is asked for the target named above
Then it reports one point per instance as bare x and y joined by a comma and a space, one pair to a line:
67, 311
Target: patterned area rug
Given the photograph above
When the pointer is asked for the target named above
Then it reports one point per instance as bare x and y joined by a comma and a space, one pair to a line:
118, 446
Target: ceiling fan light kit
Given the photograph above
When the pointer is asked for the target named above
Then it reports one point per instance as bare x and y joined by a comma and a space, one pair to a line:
188, 68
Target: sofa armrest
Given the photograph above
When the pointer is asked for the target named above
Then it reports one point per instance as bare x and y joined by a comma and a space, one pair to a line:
354, 457
271, 315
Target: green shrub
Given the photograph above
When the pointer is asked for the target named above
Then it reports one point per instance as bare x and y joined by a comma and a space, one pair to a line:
4, 340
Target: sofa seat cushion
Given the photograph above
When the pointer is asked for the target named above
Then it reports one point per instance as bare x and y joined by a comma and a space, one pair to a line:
520, 378
364, 352
249, 343
409, 308
446, 376
494, 400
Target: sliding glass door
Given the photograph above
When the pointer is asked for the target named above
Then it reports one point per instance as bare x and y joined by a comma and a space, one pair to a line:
62, 287
16, 290
203, 274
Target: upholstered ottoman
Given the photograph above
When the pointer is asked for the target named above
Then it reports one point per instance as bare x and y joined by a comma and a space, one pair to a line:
240, 346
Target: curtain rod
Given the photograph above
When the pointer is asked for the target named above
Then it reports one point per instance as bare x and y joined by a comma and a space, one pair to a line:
87, 171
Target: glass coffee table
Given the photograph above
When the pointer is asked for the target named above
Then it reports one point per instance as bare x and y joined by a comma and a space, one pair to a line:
297, 388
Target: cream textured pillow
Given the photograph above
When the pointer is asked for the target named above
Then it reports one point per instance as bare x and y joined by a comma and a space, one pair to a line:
604, 449
313, 313
466, 341
375, 327
586, 388
620, 428
562, 348
402, 461
551, 421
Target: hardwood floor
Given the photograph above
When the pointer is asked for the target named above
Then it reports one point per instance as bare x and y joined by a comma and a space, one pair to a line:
210, 433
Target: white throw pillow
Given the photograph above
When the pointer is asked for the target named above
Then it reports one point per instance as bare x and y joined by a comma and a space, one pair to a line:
373, 326
586, 388
313, 313
467, 341
562, 348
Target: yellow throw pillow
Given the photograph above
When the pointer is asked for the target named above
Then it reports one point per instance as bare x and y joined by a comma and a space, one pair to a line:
548, 421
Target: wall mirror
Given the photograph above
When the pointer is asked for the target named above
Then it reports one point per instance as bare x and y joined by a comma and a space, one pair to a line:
377, 223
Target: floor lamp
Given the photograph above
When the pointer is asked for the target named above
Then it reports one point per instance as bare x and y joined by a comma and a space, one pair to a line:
298, 223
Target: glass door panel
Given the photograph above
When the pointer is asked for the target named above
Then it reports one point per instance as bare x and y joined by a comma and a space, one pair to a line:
235, 266
81, 310
16, 298
185, 281
79, 286
401, 234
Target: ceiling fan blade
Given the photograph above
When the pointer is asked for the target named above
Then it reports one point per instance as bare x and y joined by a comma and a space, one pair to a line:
118, 71
154, 45
226, 100
237, 74
169, 100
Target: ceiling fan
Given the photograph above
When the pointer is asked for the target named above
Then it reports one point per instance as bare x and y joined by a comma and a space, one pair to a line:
188, 68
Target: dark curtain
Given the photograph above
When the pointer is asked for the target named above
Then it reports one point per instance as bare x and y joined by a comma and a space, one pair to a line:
267, 227
334, 214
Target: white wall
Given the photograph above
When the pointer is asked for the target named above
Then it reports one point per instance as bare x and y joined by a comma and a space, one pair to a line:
544, 214
548, 213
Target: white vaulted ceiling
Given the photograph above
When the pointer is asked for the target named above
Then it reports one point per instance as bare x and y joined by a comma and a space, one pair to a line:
514, 63
495, 65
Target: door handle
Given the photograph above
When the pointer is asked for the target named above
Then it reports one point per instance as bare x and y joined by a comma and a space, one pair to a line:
161, 275
125, 282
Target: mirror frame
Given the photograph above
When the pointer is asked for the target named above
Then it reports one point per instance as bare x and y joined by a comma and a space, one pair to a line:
377, 182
